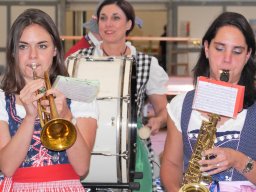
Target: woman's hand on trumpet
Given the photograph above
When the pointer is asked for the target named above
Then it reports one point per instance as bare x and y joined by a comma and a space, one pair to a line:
60, 103
28, 96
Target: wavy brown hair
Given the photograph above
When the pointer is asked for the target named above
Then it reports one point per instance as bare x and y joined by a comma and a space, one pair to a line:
13, 80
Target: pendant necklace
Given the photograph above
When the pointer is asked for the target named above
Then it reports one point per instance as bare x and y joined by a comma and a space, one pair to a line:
121, 54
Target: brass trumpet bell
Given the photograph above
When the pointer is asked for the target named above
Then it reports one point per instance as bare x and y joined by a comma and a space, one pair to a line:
193, 187
58, 134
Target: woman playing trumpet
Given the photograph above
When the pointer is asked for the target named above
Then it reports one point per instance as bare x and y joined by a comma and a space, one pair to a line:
34, 47
229, 46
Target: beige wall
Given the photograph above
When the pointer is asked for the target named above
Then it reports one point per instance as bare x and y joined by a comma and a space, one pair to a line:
198, 26
200, 17
153, 22
17, 10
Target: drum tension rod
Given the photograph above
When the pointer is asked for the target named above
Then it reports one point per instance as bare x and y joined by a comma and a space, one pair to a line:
96, 59
124, 154
126, 98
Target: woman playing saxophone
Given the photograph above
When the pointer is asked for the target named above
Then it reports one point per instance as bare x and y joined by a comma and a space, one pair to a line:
228, 45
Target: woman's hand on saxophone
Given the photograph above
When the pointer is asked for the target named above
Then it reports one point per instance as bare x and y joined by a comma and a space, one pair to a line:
218, 159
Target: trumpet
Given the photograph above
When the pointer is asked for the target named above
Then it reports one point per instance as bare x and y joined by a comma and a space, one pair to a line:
57, 134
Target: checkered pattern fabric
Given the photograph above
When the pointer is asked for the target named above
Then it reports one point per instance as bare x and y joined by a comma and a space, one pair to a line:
143, 62
55, 186
86, 52
82, 52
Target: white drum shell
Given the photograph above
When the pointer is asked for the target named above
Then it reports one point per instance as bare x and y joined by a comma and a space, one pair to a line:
113, 131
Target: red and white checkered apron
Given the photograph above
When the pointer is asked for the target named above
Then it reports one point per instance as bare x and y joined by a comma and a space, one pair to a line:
54, 178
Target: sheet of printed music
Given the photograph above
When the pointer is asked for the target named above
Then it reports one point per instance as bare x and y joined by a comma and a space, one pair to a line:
77, 89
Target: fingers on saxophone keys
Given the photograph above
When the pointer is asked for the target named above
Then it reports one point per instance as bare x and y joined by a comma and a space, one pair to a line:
215, 170
211, 169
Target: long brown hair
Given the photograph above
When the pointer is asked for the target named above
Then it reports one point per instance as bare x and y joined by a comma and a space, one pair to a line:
13, 80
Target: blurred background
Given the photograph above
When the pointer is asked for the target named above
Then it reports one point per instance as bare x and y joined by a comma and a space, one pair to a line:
185, 22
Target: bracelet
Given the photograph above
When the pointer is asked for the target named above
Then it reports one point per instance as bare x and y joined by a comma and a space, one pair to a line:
249, 165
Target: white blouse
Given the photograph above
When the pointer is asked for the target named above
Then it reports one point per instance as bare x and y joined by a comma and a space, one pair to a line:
174, 109
78, 109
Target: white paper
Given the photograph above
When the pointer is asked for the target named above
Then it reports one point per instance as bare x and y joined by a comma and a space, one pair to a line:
213, 98
77, 89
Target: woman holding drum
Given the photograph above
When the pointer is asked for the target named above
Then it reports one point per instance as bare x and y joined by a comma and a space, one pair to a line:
116, 19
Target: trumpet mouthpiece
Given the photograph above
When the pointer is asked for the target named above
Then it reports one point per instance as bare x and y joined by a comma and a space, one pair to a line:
33, 66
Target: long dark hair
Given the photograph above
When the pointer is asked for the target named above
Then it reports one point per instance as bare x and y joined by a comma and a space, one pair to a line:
13, 80
248, 74
125, 6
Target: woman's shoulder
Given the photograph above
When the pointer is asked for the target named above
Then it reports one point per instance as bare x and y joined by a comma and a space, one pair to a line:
2, 99
2, 94
139, 54
174, 109
3, 113
178, 100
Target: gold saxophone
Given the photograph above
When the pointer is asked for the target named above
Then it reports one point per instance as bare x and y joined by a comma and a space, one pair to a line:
194, 180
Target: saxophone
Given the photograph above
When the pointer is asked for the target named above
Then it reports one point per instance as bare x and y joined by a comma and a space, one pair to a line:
194, 180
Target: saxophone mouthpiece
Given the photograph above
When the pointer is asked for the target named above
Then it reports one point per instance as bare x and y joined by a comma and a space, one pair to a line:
224, 75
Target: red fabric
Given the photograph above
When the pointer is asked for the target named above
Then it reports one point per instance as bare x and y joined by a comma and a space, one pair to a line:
6, 184
39, 174
81, 44
44, 174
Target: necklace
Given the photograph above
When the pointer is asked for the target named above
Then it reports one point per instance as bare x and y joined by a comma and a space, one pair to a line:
121, 54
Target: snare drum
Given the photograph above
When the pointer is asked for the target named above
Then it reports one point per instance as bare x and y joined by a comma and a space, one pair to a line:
113, 156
